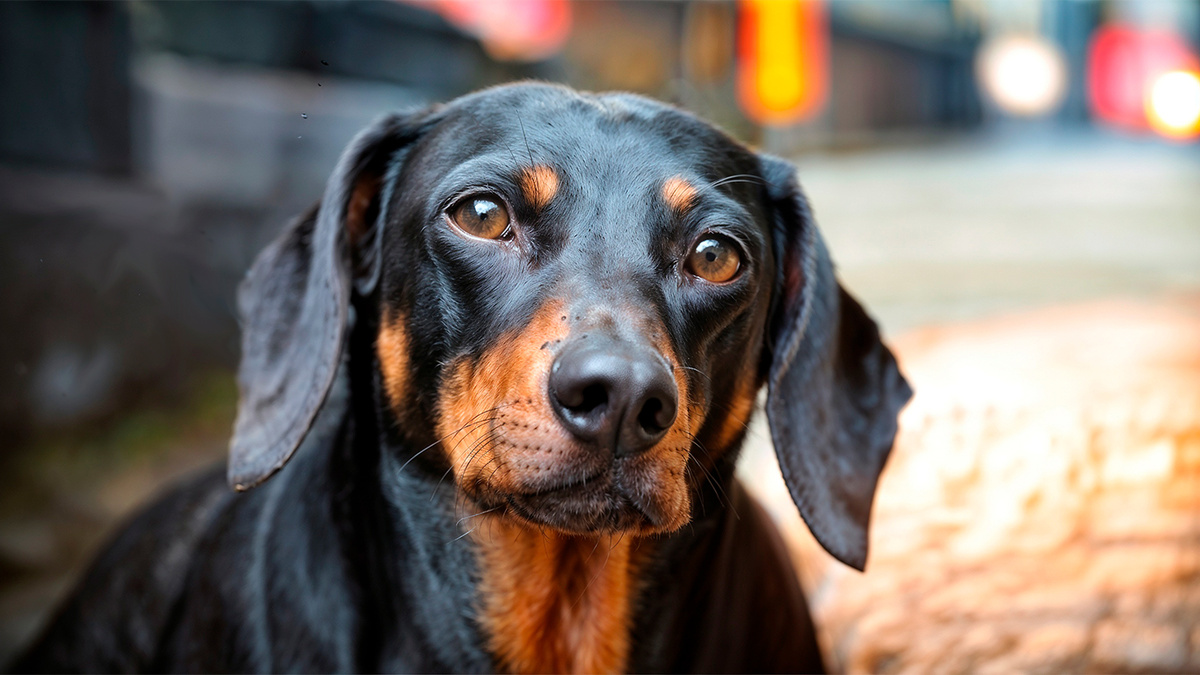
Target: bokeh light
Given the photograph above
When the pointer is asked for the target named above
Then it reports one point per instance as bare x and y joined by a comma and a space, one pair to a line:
1024, 75
1125, 68
782, 60
511, 30
1173, 104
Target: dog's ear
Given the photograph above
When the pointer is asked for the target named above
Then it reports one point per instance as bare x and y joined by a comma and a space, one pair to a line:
834, 388
294, 302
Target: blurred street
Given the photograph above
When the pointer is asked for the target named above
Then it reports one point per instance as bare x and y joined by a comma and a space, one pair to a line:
976, 226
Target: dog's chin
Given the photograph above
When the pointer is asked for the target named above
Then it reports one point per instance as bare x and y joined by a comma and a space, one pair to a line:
592, 507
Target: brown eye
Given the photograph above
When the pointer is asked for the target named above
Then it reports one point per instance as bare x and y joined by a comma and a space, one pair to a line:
714, 259
482, 217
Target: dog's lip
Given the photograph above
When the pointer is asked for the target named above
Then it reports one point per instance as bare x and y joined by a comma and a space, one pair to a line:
617, 511
621, 516
574, 484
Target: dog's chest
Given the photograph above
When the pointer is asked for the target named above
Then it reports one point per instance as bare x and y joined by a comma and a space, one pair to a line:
555, 603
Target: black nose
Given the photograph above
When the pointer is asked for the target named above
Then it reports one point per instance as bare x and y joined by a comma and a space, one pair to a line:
614, 394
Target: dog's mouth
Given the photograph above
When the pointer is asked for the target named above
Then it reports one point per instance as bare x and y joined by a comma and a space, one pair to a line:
595, 504
637, 495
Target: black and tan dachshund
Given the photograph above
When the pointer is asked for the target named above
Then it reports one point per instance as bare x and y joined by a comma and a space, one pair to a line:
500, 377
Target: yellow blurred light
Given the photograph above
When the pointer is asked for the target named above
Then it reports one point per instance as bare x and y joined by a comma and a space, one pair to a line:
779, 81
1023, 75
782, 60
1173, 104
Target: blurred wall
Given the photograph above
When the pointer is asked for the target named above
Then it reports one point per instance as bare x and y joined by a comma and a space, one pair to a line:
147, 152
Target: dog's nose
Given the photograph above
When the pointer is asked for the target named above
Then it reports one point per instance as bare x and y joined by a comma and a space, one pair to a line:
614, 394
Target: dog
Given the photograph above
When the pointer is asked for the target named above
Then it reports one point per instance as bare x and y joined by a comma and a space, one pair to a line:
498, 379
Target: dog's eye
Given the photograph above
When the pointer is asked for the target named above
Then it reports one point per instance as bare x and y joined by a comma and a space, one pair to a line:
482, 217
714, 259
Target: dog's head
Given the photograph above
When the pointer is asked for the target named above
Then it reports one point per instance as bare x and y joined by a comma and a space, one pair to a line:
575, 299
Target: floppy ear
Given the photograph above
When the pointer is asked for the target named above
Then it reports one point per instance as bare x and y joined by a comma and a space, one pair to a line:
834, 388
294, 303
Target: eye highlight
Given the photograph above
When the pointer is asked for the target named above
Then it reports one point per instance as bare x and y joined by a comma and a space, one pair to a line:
715, 259
481, 216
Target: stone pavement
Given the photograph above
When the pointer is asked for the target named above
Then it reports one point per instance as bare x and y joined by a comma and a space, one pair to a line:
1041, 510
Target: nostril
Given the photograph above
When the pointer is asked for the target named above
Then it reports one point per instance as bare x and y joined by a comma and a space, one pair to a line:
648, 416
654, 417
592, 397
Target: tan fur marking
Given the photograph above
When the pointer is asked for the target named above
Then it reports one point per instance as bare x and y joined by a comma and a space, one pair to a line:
555, 603
539, 185
737, 416
678, 193
671, 454
502, 393
392, 349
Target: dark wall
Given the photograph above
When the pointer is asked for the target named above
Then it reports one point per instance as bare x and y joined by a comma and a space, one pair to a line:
64, 74
148, 150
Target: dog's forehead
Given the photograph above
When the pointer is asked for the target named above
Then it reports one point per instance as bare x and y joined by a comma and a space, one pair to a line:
608, 136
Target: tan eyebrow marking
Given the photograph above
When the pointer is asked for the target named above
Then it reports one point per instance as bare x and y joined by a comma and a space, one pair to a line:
539, 183
678, 193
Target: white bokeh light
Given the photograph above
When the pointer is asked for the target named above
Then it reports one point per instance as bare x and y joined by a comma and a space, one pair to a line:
1023, 75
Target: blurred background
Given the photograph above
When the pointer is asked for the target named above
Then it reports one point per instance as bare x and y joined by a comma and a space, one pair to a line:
1011, 186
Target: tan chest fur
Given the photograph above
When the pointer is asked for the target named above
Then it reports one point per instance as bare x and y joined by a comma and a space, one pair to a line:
555, 603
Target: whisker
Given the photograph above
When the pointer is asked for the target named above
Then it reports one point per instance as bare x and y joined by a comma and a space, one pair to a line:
422, 450
691, 476
526, 137
736, 178
603, 565
461, 535
474, 515
697, 371
475, 449
722, 496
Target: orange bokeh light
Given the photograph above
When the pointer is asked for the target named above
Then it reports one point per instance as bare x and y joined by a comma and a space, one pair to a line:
783, 58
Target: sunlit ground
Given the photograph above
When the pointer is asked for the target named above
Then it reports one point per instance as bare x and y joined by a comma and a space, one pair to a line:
1041, 512
1040, 509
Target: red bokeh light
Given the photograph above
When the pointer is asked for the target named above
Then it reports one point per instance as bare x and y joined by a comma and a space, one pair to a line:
1123, 63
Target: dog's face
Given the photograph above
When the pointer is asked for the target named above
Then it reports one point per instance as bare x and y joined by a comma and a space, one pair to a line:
576, 299
574, 292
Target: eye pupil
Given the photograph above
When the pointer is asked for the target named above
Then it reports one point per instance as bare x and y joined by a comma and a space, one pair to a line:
714, 259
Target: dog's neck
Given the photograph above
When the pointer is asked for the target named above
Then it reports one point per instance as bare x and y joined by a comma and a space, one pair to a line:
552, 602
539, 600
